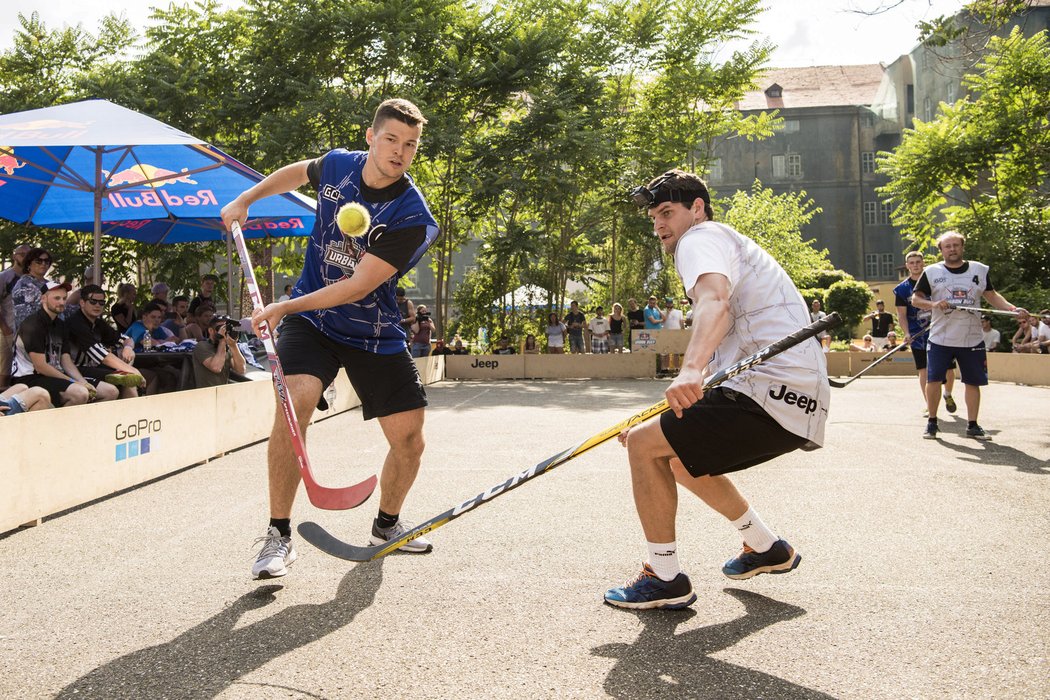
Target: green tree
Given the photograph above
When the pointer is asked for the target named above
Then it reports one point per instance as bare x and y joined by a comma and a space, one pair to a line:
982, 165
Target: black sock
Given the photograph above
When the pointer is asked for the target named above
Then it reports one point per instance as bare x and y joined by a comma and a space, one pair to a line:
971, 424
933, 421
385, 520
283, 525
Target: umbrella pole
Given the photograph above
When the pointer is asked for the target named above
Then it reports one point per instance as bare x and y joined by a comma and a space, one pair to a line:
229, 275
98, 218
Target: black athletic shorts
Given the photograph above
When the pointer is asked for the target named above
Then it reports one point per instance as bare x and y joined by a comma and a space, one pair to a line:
919, 355
726, 431
95, 375
386, 384
53, 385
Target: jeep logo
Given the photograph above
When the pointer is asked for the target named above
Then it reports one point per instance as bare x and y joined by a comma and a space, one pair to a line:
486, 364
792, 399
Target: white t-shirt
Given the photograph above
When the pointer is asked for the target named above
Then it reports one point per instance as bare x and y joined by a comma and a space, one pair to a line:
674, 319
1044, 331
556, 336
765, 307
599, 326
991, 338
961, 287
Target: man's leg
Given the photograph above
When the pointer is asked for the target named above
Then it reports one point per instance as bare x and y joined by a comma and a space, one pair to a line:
973, 402
305, 391
933, 398
404, 435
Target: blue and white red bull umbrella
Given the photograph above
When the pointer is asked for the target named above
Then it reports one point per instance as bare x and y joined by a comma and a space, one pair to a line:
96, 166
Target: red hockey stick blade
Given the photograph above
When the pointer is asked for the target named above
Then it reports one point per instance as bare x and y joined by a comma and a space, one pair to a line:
340, 499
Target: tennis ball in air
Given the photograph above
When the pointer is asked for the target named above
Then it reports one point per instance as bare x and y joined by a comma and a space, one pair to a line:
352, 219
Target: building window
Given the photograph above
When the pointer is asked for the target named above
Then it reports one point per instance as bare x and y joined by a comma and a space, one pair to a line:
714, 170
951, 92
871, 213
794, 165
887, 267
910, 100
869, 119
927, 109
779, 167
791, 126
871, 266
774, 90
867, 162
884, 212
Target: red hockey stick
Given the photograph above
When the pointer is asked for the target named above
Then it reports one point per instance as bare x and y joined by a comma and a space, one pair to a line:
320, 496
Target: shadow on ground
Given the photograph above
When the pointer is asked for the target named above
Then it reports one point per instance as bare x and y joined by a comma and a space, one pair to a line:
662, 664
207, 659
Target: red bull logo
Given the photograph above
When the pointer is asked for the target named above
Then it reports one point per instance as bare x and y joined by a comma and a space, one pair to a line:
292, 224
148, 176
160, 198
8, 162
44, 129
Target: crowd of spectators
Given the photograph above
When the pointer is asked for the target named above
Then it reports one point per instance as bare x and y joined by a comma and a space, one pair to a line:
61, 346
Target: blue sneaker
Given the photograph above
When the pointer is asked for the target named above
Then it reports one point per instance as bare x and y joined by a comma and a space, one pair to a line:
780, 559
648, 591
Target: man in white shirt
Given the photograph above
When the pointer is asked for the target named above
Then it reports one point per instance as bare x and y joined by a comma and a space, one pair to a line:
957, 335
742, 301
991, 336
1043, 338
673, 319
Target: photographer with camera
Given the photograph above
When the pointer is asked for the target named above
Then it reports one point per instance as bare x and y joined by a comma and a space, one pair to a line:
216, 355
421, 331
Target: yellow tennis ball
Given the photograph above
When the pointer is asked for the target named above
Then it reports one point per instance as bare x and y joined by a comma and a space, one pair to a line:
352, 219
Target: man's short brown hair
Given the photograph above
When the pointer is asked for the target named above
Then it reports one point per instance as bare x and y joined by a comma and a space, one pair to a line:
678, 180
401, 110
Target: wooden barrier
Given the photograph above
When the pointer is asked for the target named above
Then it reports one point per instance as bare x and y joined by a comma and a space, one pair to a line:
625, 365
662, 342
61, 458
485, 366
900, 364
1019, 368
838, 364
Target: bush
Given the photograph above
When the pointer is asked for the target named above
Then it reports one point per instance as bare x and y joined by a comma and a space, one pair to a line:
851, 300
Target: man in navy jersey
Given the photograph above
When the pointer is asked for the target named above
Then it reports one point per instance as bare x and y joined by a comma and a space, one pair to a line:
956, 335
915, 323
343, 313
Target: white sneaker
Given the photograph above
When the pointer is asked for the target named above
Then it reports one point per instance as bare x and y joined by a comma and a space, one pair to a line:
418, 545
276, 555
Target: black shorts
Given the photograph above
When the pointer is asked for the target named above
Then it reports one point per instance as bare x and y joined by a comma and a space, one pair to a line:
919, 355
386, 384
52, 385
726, 431
95, 375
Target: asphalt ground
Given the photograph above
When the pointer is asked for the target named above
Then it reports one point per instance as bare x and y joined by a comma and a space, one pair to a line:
923, 573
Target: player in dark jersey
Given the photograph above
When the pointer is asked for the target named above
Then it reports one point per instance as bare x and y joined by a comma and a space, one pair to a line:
343, 313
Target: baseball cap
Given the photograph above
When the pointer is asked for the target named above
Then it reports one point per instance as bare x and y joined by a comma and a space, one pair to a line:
58, 285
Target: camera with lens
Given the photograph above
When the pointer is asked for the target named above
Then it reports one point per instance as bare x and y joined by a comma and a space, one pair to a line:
230, 327
423, 316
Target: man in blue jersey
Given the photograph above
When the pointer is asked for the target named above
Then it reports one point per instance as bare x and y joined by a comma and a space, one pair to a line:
916, 323
343, 313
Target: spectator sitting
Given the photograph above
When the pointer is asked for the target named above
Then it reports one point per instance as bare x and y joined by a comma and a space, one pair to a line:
504, 347
530, 347
440, 348
599, 327
215, 357
1022, 340
73, 299
26, 293
206, 293
147, 331
91, 340
1042, 338
21, 398
197, 323
421, 331
124, 312
42, 356
457, 346
176, 317
7, 311
891, 341
160, 292
868, 346
991, 336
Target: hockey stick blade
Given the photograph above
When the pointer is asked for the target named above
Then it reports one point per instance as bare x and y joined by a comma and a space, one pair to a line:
321, 496
329, 544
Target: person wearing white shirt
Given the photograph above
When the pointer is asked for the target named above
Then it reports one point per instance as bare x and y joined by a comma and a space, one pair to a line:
742, 301
991, 336
673, 319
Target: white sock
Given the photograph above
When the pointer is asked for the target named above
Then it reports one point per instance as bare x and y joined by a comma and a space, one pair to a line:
663, 558
755, 533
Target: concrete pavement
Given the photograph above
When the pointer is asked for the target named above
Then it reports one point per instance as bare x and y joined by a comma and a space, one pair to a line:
922, 575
